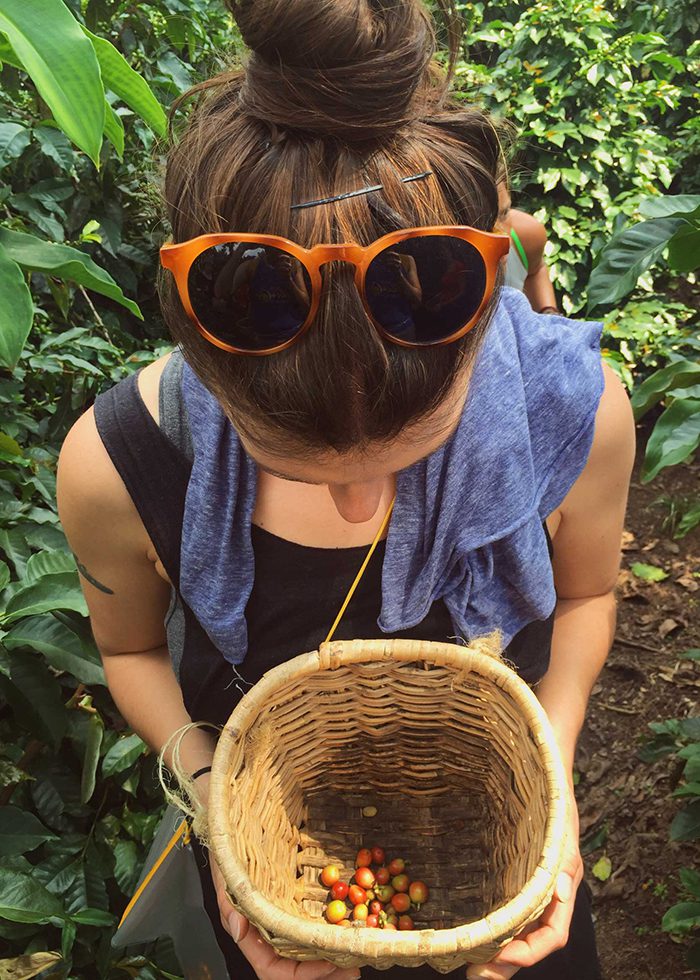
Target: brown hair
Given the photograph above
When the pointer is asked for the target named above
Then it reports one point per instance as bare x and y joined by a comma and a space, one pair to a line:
336, 95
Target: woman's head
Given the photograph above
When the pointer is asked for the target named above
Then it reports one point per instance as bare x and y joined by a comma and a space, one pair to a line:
337, 95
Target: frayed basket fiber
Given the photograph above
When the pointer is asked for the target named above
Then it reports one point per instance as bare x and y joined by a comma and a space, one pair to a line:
456, 755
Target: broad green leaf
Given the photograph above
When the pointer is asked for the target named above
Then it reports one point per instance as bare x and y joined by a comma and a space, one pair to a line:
23, 899
682, 917
650, 573
127, 865
676, 435
690, 879
30, 965
122, 754
16, 310
93, 917
625, 257
690, 727
91, 757
55, 146
59, 645
119, 77
14, 139
35, 696
686, 823
59, 591
4, 575
20, 831
602, 868
48, 563
14, 544
62, 64
669, 204
678, 374
64, 262
68, 934
114, 129
684, 250
690, 789
692, 654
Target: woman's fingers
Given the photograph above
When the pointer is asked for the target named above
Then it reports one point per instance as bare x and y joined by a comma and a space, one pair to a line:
269, 966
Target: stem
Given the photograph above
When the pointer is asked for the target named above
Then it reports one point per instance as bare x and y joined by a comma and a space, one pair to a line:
97, 316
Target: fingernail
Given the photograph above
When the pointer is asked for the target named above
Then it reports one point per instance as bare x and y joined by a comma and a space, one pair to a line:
234, 925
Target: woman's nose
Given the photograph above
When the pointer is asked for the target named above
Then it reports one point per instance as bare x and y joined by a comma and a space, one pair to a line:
357, 503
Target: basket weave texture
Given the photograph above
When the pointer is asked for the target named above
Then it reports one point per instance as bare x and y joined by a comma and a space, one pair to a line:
458, 758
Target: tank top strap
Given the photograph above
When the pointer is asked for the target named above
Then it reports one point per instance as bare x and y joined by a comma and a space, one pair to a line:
154, 469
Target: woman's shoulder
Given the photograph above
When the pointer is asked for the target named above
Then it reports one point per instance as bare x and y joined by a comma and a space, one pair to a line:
149, 384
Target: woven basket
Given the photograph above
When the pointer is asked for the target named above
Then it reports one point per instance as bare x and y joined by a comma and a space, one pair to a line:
458, 758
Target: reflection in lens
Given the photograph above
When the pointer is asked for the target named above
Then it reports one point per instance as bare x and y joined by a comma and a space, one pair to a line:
424, 289
248, 295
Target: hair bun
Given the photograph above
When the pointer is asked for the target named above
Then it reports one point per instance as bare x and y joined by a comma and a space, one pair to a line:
352, 69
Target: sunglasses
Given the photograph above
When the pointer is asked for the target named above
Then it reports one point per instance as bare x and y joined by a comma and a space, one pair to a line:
258, 294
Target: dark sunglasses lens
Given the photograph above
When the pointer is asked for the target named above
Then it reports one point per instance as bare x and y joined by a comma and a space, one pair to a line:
250, 296
425, 289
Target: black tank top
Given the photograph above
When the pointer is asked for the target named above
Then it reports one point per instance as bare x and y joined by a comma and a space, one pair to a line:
297, 590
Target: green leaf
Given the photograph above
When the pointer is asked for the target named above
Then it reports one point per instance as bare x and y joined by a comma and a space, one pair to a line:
64, 262
119, 77
14, 139
690, 879
684, 250
123, 754
625, 257
650, 573
690, 789
678, 374
692, 654
686, 823
59, 645
602, 868
669, 204
93, 917
682, 918
20, 831
68, 934
690, 727
23, 899
61, 62
14, 544
59, 591
114, 130
48, 563
91, 757
676, 435
4, 575
127, 865
16, 310
35, 696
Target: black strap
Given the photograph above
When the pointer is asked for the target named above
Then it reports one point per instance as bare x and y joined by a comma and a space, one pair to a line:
155, 472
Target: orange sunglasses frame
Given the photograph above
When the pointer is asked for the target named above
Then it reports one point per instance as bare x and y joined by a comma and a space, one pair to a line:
178, 259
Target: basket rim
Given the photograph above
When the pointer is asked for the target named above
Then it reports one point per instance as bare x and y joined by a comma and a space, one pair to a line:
495, 927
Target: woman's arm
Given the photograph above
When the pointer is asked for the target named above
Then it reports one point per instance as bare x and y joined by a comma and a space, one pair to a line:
126, 597
586, 564
537, 286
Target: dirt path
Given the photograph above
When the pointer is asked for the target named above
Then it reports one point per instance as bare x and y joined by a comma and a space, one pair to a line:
623, 800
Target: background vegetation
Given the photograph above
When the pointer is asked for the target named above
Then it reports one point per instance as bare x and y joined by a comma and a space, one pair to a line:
604, 95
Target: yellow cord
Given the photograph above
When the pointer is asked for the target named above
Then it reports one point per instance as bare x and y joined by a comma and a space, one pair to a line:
184, 829
365, 563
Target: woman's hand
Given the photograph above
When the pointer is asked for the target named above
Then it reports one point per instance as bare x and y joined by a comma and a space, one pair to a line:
551, 931
261, 956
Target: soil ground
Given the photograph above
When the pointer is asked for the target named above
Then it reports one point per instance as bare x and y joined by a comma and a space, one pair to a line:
628, 800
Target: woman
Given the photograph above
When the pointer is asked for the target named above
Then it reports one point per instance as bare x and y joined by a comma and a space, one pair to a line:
525, 268
495, 427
